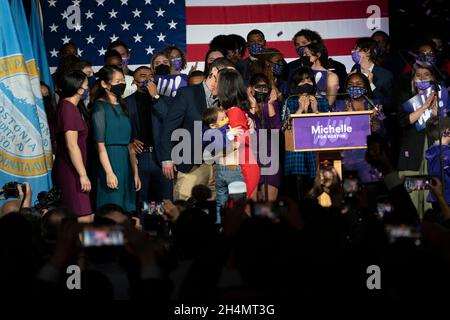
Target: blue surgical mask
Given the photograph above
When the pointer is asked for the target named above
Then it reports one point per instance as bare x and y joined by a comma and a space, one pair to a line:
277, 69
300, 51
356, 92
143, 85
85, 95
177, 63
256, 49
356, 57
423, 84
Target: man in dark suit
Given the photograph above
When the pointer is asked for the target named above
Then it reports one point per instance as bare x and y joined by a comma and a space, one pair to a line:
186, 112
381, 79
147, 111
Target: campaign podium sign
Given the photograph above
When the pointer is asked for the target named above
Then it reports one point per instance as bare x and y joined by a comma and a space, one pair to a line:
329, 131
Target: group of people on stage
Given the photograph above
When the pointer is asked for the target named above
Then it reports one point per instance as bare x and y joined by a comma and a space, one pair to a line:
112, 129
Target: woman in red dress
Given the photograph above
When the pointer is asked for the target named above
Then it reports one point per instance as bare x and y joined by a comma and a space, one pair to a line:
232, 96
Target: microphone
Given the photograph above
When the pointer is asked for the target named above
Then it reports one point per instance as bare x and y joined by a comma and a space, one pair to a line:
370, 102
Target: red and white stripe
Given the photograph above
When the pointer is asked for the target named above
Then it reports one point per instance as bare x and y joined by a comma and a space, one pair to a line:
339, 22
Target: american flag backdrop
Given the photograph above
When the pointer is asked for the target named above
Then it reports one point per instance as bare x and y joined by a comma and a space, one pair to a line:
148, 26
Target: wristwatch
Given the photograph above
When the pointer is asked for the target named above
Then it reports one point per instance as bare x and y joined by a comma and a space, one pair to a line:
156, 97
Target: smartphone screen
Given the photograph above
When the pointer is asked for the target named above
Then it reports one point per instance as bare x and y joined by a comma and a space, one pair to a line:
383, 206
350, 185
154, 208
416, 183
102, 236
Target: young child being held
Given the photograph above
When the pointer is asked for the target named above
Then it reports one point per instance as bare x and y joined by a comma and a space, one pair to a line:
432, 154
226, 156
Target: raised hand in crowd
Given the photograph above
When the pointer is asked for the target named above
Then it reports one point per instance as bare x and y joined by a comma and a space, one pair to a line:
25, 192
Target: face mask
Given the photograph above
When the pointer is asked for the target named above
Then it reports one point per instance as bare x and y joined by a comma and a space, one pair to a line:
162, 70
306, 88
356, 57
118, 89
125, 62
356, 92
300, 51
261, 96
277, 69
91, 81
427, 58
381, 51
423, 84
85, 95
177, 64
222, 123
47, 100
143, 85
256, 49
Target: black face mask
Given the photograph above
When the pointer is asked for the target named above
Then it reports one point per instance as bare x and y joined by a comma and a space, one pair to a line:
118, 89
162, 70
47, 100
306, 88
261, 96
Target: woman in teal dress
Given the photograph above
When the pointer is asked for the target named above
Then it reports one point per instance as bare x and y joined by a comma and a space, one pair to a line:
117, 179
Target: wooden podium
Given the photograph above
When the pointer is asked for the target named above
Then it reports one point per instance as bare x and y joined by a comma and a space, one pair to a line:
328, 134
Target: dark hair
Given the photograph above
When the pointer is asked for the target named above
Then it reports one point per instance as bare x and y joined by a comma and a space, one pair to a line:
65, 65
259, 77
210, 115
381, 33
80, 65
206, 69
168, 50
106, 209
364, 79
117, 43
112, 54
106, 74
232, 91
196, 73
70, 83
368, 44
141, 68
66, 47
433, 127
301, 74
319, 50
311, 36
253, 32
414, 71
237, 43
220, 41
221, 63
426, 42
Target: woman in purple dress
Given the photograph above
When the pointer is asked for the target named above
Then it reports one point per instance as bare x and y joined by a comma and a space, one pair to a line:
69, 170
264, 111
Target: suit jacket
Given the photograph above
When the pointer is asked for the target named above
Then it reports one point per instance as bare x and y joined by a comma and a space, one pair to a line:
383, 81
244, 68
185, 112
158, 113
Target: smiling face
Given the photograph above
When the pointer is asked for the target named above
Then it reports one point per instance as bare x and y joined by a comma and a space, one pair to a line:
423, 74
